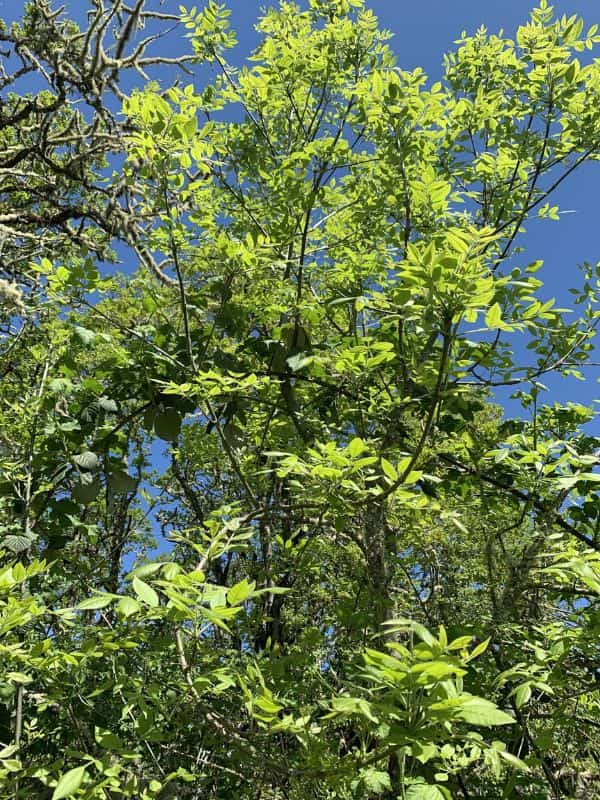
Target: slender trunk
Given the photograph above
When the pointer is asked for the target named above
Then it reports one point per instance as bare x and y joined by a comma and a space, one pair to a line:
378, 566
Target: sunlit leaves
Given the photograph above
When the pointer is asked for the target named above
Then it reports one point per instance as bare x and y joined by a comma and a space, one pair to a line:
97, 602
145, 592
69, 783
289, 405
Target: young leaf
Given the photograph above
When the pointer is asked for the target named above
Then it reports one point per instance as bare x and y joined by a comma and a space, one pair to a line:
356, 447
127, 606
479, 649
121, 481
240, 592
389, 469
96, 602
69, 783
477, 711
522, 694
493, 318
145, 592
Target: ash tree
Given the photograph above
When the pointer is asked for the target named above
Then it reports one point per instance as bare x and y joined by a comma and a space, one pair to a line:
266, 531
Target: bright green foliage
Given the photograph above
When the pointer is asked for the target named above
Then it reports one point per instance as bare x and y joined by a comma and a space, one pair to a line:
370, 582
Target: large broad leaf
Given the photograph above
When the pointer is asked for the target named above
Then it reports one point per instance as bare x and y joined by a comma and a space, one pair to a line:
234, 435
478, 711
167, 424
474, 710
95, 602
107, 739
145, 592
240, 592
69, 783
86, 491
375, 780
7, 692
84, 335
108, 404
425, 791
493, 318
121, 481
352, 705
149, 417
128, 606
17, 542
299, 361
87, 460
145, 569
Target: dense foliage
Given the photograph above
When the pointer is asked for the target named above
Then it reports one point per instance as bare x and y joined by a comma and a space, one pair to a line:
370, 580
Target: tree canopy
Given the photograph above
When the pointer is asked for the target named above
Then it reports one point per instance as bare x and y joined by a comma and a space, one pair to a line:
266, 531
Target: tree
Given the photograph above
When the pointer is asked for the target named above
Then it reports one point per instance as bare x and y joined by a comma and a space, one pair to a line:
371, 581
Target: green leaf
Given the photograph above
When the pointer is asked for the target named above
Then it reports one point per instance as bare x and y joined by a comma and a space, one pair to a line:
167, 424
477, 711
356, 447
352, 705
145, 592
108, 405
7, 692
18, 542
127, 606
121, 481
171, 570
514, 761
493, 318
107, 739
375, 780
19, 677
87, 460
460, 643
425, 791
424, 751
267, 704
389, 470
213, 617
299, 361
240, 592
149, 417
145, 569
479, 649
96, 602
234, 435
69, 783
84, 335
522, 694
86, 491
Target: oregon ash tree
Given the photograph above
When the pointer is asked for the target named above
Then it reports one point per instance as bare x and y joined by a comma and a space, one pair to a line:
371, 581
